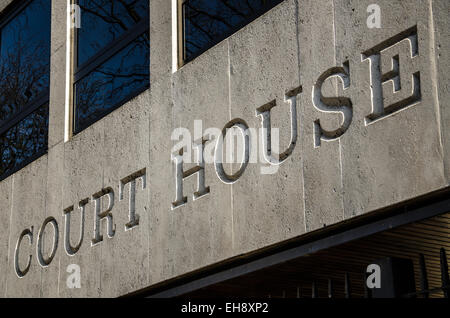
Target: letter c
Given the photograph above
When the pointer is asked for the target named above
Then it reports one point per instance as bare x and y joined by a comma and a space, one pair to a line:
21, 273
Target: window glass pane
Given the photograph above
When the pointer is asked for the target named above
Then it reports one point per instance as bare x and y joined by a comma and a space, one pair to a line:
108, 86
24, 58
24, 141
206, 22
103, 21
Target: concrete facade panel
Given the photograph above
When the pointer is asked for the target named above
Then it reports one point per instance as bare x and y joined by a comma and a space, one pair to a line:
370, 126
395, 155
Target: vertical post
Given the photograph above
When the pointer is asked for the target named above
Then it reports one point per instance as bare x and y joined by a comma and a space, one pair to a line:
314, 290
73, 23
299, 292
444, 274
330, 288
367, 290
423, 277
348, 291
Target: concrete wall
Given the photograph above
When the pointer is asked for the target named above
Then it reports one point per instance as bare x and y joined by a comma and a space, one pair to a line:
400, 152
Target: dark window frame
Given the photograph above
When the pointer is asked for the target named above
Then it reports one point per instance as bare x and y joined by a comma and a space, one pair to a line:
6, 16
182, 60
95, 61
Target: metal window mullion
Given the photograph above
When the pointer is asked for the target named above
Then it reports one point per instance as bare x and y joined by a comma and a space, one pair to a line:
111, 49
181, 32
27, 110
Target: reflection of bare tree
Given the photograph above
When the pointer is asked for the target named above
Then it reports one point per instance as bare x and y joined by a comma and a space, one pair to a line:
22, 80
208, 21
107, 10
25, 140
24, 83
117, 16
124, 73
113, 81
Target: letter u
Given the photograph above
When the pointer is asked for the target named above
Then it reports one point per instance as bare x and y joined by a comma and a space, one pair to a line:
70, 250
264, 112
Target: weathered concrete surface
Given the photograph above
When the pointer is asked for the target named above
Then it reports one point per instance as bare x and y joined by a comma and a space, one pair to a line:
263, 66
82, 179
322, 165
58, 60
399, 156
28, 211
199, 232
4, 4
440, 32
54, 193
161, 258
57, 97
126, 147
5, 214
372, 165
161, 33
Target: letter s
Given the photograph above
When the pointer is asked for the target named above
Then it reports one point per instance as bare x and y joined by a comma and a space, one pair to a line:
335, 105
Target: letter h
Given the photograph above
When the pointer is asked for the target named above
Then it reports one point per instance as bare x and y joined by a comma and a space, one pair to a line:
180, 175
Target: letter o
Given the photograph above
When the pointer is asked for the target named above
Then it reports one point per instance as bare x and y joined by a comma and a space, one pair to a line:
44, 262
229, 179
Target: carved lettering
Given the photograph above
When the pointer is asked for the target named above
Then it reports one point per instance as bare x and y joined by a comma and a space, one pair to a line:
133, 217
22, 272
394, 83
180, 175
340, 105
99, 215
45, 261
264, 112
70, 250
218, 158
394, 75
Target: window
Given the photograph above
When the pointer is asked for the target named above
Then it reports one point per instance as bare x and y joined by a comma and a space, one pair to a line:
24, 83
207, 22
112, 62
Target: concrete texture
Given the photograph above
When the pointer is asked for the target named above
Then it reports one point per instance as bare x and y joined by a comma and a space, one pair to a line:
28, 210
322, 165
57, 97
199, 232
4, 4
399, 156
5, 215
369, 165
263, 67
58, 59
82, 179
161, 33
127, 148
440, 57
